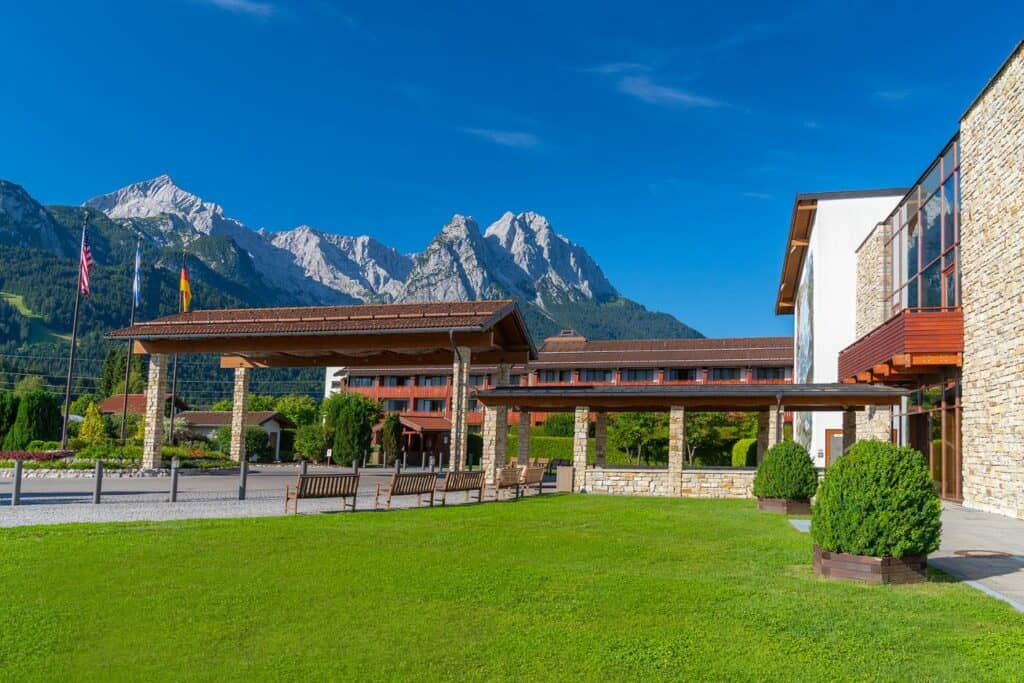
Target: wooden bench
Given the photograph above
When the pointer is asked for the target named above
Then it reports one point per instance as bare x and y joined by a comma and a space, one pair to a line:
533, 476
462, 480
322, 486
508, 477
403, 484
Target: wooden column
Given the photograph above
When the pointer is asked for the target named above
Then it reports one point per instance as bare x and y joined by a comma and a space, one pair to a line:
764, 434
238, 411
600, 438
495, 432
523, 452
460, 404
579, 448
849, 429
156, 395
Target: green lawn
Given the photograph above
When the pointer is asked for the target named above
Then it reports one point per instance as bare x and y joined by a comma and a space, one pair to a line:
571, 587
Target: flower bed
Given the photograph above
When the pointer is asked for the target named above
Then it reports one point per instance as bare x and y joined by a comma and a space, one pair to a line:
40, 456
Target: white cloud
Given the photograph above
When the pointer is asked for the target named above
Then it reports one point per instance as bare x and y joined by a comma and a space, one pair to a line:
618, 68
254, 8
646, 90
758, 195
506, 138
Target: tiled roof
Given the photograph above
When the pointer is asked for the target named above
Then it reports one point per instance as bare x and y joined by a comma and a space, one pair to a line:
136, 403
726, 351
219, 418
316, 320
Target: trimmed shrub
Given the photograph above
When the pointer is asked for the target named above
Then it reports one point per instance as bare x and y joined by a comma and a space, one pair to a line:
38, 446
786, 472
878, 500
744, 453
257, 443
391, 435
353, 432
8, 412
559, 424
474, 449
93, 431
38, 418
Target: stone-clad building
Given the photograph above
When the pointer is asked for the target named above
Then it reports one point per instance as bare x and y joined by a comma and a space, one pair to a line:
938, 280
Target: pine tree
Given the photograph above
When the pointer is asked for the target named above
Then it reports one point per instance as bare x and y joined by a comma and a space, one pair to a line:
93, 431
8, 413
39, 418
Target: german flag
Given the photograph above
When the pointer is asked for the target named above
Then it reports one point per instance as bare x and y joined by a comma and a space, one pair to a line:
186, 291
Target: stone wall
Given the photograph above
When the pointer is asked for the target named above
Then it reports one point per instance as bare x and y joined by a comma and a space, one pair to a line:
705, 482
871, 269
992, 290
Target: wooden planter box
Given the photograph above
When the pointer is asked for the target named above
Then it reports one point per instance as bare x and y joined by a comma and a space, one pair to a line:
870, 569
784, 506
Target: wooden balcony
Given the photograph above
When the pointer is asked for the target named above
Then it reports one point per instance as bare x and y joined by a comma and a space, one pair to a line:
912, 343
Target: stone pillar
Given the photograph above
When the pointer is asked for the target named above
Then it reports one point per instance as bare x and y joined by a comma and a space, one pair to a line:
764, 434
523, 454
676, 448
600, 438
849, 429
875, 422
579, 448
460, 404
495, 432
238, 410
777, 434
156, 394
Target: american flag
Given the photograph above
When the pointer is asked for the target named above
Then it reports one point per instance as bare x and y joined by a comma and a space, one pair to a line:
86, 259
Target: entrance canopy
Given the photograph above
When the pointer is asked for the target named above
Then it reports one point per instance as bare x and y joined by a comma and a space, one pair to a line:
393, 335
697, 397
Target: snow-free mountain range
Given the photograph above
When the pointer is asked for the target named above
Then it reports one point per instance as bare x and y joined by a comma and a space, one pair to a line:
519, 255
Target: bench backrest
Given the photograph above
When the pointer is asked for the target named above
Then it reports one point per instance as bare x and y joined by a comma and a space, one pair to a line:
533, 475
327, 485
508, 476
406, 484
542, 462
462, 480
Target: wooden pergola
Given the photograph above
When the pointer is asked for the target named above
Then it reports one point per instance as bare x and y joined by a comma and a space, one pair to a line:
764, 399
395, 335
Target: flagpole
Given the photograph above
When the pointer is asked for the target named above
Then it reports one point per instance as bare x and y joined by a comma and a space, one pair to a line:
128, 358
174, 369
74, 341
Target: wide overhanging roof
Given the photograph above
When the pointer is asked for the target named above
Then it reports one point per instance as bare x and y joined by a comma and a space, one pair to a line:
353, 336
704, 397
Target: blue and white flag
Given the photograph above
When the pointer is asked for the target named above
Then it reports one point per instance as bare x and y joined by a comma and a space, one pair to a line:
137, 282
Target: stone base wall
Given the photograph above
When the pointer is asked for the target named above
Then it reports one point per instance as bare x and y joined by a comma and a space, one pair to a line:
705, 482
992, 279
874, 423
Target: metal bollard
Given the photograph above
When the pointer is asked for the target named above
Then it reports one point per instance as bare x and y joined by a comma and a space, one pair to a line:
16, 491
430, 463
303, 467
97, 490
355, 465
174, 482
398, 466
365, 455
404, 458
243, 473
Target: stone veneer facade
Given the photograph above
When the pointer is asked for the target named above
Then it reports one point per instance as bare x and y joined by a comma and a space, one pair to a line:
705, 482
992, 293
872, 265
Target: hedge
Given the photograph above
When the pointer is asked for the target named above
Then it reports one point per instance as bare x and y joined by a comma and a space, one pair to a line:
744, 453
878, 500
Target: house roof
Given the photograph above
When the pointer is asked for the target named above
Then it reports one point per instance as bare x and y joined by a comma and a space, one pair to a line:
220, 418
422, 423
805, 206
317, 336
570, 352
136, 403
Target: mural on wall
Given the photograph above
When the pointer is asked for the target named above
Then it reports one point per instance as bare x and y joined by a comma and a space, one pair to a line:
804, 371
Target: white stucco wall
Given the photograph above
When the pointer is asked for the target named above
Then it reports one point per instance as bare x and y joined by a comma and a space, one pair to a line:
840, 225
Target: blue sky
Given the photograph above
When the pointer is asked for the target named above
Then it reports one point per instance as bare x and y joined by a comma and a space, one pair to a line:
668, 140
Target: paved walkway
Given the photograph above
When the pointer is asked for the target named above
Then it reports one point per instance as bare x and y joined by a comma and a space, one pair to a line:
59, 501
985, 550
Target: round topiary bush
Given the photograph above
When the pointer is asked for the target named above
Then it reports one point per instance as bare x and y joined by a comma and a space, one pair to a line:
878, 500
786, 472
744, 453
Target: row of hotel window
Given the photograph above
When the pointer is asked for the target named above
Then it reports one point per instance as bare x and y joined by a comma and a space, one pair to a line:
585, 376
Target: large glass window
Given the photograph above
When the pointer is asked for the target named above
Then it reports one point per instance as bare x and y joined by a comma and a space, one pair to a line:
774, 374
726, 374
477, 380
361, 381
552, 376
591, 375
395, 405
433, 380
923, 236
395, 381
638, 375
430, 405
681, 375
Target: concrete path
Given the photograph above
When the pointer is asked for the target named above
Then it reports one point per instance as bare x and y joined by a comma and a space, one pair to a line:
985, 550
60, 501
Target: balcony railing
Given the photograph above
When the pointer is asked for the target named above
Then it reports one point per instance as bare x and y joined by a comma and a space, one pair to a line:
931, 334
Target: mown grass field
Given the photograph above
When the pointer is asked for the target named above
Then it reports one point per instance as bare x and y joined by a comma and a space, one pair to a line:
562, 587
38, 331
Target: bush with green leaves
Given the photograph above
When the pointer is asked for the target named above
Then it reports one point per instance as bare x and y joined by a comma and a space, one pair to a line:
878, 500
8, 412
786, 472
353, 431
559, 424
93, 431
38, 418
301, 410
744, 453
310, 443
